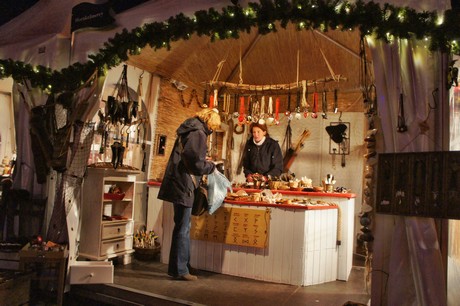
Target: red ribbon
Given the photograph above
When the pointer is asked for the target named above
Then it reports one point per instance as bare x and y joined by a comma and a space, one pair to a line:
211, 101
277, 109
315, 102
241, 116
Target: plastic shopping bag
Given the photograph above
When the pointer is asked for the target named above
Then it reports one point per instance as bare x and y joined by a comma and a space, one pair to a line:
218, 185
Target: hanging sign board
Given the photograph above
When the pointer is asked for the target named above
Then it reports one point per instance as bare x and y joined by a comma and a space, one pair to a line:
237, 226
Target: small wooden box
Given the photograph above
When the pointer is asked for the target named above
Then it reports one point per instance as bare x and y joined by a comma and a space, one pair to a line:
91, 272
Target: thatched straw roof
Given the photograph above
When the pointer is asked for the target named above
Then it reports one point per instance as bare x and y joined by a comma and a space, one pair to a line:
271, 59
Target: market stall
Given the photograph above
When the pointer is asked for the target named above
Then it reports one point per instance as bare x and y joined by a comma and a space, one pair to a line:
304, 239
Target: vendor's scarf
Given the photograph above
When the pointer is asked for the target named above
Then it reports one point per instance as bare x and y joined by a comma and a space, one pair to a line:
260, 142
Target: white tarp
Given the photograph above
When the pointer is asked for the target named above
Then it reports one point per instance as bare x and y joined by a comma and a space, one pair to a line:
40, 35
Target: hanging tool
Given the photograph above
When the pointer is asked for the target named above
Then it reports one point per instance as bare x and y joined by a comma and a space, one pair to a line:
287, 142
297, 108
287, 113
292, 152
143, 147
336, 101
402, 127
304, 98
324, 104
315, 105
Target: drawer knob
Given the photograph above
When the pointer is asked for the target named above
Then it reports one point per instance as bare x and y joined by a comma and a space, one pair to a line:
119, 230
91, 274
118, 245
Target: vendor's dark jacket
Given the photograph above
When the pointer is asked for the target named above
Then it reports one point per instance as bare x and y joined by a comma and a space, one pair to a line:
266, 159
189, 158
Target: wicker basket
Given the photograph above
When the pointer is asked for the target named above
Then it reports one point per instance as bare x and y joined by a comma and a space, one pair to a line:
147, 253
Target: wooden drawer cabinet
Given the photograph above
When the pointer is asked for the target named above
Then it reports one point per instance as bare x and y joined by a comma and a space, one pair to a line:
114, 246
113, 230
107, 225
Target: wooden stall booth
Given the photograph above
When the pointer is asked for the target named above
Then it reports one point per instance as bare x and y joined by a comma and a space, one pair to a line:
284, 243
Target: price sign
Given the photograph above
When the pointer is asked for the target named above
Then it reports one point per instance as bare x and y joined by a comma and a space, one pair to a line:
237, 226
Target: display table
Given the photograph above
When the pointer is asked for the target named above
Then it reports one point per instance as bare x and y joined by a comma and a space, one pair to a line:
306, 245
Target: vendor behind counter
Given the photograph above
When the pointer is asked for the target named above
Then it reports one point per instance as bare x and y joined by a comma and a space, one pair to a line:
262, 154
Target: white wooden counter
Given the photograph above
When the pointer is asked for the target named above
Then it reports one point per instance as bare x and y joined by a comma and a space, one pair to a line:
303, 247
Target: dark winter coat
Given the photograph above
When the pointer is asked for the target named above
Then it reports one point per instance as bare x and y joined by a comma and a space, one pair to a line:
189, 158
266, 159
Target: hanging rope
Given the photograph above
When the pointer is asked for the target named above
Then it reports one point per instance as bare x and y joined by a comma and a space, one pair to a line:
298, 66
241, 67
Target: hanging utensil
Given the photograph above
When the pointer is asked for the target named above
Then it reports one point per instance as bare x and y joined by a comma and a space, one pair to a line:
270, 118
315, 105
304, 98
343, 153
250, 105
297, 108
336, 101
205, 99
287, 113
143, 147
235, 106
287, 142
277, 111
324, 104
402, 127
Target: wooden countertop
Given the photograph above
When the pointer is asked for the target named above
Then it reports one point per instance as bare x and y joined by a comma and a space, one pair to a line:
286, 192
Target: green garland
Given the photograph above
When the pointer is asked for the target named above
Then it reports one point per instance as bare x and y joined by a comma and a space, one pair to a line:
386, 23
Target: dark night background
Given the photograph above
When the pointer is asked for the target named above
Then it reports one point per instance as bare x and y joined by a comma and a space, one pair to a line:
12, 8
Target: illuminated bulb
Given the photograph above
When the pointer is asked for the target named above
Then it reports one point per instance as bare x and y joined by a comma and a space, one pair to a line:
338, 7
302, 25
440, 20
231, 14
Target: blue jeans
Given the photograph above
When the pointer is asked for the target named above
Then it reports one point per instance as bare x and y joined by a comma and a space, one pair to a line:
179, 255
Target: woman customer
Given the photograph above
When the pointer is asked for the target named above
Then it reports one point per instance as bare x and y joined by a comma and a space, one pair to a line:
262, 154
188, 158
